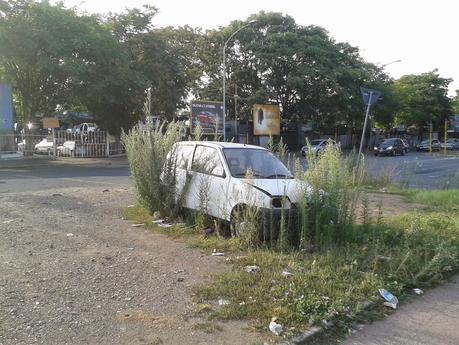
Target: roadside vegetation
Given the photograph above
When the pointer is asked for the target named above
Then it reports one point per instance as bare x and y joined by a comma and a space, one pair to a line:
327, 267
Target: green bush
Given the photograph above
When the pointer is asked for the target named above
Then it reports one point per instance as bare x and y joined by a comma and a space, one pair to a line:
330, 208
152, 171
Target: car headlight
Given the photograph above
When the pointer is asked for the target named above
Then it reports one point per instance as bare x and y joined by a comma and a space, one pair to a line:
375, 148
390, 148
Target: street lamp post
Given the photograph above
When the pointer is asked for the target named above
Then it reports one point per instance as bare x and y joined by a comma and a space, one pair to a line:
224, 73
390, 63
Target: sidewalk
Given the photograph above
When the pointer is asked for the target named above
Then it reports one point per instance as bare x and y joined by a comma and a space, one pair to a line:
430, 319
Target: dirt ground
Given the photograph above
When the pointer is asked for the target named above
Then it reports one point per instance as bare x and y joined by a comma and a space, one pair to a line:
73, 272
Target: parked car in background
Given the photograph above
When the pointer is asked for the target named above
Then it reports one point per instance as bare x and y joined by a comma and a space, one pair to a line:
84, 128
390, 146
44, 146
425, 145
66, 149
451, 144
220, 170
318, 146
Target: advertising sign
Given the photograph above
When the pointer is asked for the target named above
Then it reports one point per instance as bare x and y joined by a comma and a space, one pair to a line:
266, 119
6, 108
209, 115
50, 122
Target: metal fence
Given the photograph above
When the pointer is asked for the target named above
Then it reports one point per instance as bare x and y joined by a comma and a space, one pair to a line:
61, 143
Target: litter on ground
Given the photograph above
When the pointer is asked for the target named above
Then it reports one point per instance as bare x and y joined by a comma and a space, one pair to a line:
251, 269
275, 327
391, 300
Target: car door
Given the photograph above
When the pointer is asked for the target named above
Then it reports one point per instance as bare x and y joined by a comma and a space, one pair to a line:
182, 153
207, 182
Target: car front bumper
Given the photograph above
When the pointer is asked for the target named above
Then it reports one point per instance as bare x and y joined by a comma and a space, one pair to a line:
272, 220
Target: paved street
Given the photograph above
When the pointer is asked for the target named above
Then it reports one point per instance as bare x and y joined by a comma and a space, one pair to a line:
41, 173
418, 169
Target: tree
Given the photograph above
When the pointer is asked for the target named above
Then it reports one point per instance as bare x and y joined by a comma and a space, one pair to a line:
302, 69
33, 39
424, 99
455, 103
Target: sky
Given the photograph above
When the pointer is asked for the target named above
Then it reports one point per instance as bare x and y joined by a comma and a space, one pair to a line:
422, 34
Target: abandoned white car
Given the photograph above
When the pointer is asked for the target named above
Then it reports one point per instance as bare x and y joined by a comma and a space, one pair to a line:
223, 179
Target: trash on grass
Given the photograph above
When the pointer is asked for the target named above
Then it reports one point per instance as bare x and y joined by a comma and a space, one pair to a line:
162, 223
137, 225
223, 301
418, 291
275, 327
383, 258
130, 206
391, 300
327, 324
287, 274
215, 253
251, 269
8, 221
69, 234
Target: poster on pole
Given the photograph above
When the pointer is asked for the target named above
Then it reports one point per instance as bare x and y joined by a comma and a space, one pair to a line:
266, 119
6, 108
209, 115
50, 122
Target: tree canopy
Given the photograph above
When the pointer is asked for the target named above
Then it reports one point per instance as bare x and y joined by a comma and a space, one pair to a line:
423, 99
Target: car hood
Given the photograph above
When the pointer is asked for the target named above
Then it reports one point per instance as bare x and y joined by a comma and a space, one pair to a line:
293, 188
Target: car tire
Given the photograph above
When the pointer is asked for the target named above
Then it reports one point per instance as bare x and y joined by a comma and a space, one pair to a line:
376, 154
403, 152
393, 153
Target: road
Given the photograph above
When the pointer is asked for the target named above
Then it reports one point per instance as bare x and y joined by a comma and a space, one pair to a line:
415, 169
418, 170
41, 173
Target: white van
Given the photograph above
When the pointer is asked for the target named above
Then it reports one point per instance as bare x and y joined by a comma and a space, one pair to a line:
213, 176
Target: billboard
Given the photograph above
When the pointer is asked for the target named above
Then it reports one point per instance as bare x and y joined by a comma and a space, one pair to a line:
266, 119
6, 108
209, 115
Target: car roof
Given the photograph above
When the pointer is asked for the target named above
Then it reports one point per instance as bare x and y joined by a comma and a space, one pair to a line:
223, 145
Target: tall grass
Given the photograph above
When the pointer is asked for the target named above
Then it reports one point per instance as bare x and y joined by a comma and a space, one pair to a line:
152, 170
329, 209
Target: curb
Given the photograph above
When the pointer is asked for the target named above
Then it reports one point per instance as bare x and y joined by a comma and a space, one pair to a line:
305, 337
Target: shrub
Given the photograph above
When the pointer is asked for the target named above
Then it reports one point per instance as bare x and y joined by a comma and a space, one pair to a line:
329, 210
153, 172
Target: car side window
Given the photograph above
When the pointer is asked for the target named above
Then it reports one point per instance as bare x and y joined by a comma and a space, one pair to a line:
207, 161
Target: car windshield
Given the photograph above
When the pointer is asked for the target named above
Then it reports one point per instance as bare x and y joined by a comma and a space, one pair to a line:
262, 163
388, 142
316, 142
